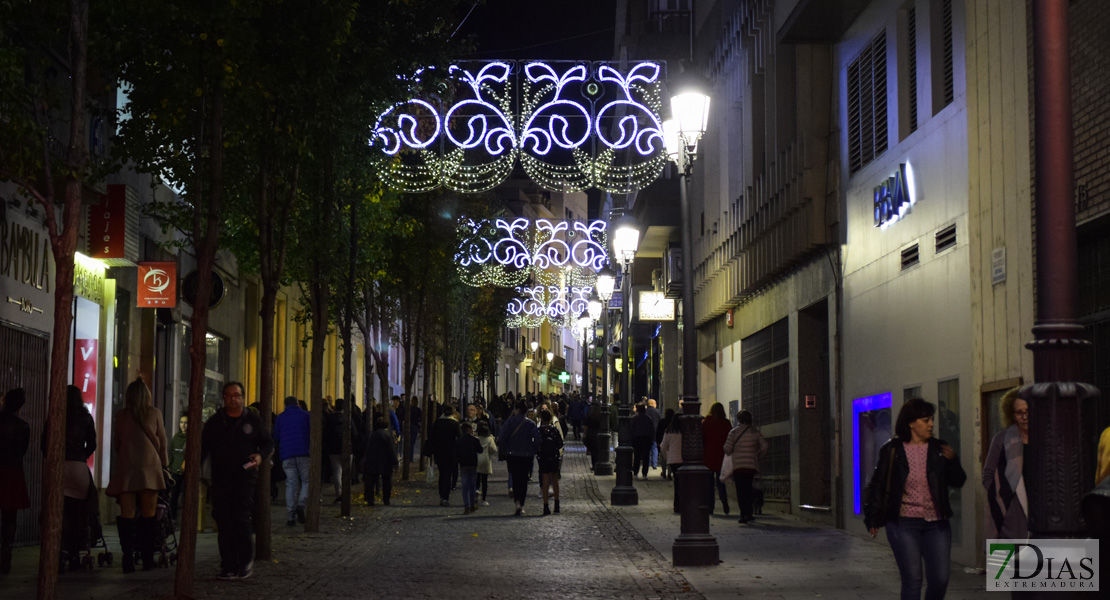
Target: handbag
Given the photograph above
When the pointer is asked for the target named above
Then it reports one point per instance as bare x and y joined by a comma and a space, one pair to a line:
876, 515
726, 469
503, 449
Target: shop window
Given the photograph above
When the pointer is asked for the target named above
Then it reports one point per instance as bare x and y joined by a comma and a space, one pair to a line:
872, 426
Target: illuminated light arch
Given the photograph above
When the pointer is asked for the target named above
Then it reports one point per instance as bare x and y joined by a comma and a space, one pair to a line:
573, 126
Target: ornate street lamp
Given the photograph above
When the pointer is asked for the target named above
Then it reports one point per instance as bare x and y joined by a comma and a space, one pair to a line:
626, 239
534, 345
606, 281
694, 546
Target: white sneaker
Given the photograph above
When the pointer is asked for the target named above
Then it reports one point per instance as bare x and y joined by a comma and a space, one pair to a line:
485, 503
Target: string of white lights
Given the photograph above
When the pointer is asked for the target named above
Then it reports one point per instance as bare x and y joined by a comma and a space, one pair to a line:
574, 127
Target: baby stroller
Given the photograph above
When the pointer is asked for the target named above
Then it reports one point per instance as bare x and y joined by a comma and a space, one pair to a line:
164, 552
82, 533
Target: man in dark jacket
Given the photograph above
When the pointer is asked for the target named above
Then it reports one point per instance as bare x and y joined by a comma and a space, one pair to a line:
236, 442
518, 437
444, 433
643, 438
291, 430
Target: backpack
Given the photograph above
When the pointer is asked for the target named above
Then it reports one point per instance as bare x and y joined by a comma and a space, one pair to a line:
550, 442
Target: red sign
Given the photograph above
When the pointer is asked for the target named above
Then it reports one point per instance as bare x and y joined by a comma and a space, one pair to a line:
157, 283
728, 318
108, 223
85, 360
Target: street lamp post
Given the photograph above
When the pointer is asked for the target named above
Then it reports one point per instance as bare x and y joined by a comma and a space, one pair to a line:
1057, 459
626, 239
528, 380
694, 546
605, 283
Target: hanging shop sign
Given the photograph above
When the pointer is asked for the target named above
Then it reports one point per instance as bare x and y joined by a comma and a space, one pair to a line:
157, 283
189, 289
88, 278
894, 196
108, 224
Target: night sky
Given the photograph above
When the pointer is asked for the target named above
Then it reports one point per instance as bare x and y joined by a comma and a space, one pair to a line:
541, 29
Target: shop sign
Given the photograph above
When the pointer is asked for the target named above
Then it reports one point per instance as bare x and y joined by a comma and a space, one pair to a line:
108, 224
894, 196
25, 255
157, 283
85, 362
88, 278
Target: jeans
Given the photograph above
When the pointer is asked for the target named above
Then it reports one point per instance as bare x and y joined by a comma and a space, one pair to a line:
519, 466
483, 484
654, 454
337, 472
722, 493
296, 483
641, 455
469, 478
232, 506
744, 494
914, 540
370, 486
445, 471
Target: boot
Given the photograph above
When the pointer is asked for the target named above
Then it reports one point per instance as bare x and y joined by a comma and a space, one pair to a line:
126, 528
148, 540
5, 559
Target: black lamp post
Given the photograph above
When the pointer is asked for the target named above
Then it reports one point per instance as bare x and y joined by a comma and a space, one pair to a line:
1058, 462
626, 239
605, 283
694, 546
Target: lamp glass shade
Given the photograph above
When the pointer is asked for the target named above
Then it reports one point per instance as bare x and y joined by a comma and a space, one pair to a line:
594, 308
625, 241
534, 345
691, 110
550, 356
606, 282
585, 323
671, 139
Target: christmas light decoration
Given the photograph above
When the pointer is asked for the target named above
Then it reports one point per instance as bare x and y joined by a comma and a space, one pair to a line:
573, 126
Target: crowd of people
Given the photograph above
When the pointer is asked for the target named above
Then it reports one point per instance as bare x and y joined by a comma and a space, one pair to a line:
907, 493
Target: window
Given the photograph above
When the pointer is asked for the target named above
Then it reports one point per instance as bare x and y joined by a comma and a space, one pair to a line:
907, 63
910, 257
943, 46
946, 238
867, 126
765, 361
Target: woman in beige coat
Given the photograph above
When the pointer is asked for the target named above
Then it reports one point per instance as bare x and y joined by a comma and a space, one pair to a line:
139, 440
746, 446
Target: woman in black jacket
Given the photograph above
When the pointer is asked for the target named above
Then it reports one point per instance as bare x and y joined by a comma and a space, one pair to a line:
908, 494
379, 461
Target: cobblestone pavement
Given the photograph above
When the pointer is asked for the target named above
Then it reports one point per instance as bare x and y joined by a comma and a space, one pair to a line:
417, 549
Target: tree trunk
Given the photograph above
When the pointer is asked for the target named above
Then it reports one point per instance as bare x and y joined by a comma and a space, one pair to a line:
205, 240
268, 312
348, 354
319, 301
62, 243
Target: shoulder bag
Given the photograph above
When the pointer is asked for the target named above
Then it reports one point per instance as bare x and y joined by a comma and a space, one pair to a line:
877, 514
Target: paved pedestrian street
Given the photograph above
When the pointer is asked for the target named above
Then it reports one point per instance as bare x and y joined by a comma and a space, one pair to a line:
418, 549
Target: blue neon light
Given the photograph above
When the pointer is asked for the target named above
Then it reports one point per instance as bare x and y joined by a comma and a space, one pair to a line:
859, 406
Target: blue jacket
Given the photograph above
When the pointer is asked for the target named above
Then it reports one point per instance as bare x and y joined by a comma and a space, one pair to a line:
291, 432
523, 441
